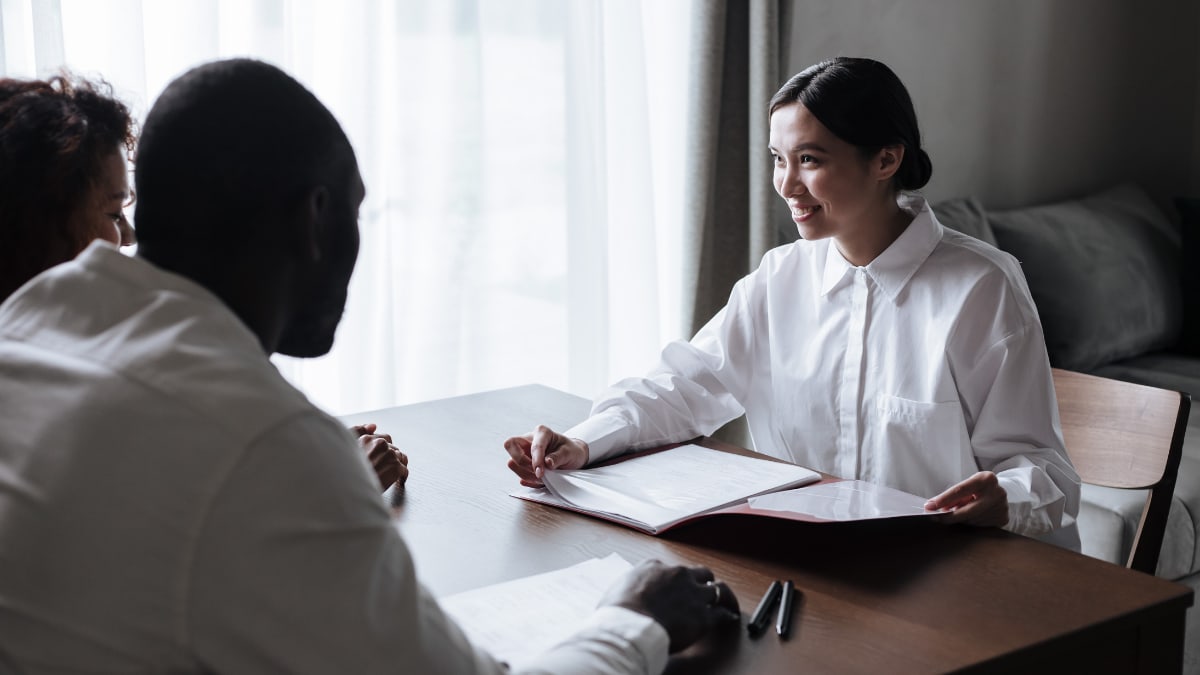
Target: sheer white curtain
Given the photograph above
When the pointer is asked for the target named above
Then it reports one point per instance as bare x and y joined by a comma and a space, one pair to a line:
522, 160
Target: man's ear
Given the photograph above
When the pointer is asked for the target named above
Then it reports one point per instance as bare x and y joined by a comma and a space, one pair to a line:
313, 217
887, 161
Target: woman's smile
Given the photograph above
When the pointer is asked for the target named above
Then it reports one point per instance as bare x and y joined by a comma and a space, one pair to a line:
802, 212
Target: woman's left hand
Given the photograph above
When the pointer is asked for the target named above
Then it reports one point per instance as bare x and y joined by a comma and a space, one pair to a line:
978, 500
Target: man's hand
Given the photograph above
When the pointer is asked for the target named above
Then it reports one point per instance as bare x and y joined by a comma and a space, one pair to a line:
978, 500
686, 601
532, 455
391, 465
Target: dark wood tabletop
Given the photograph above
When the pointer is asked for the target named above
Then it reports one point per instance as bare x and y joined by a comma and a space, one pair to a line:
899, 596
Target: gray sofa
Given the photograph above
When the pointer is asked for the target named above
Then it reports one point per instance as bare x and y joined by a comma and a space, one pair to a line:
1115, 280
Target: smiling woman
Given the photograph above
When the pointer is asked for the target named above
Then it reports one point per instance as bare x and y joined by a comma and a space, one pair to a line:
880, 347
63, 179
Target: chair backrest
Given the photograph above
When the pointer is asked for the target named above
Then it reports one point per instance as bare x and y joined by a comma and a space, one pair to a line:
1125, 435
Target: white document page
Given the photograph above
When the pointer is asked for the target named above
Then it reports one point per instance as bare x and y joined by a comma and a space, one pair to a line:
665, 487
844, 500
520, 619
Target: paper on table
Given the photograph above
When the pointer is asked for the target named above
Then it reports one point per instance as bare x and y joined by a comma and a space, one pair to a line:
844, 500
662, 488
518, 620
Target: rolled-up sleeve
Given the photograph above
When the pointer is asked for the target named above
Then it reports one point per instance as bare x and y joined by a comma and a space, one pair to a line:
1016, 434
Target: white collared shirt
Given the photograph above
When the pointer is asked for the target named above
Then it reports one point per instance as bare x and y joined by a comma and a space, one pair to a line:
169, 503
915, 371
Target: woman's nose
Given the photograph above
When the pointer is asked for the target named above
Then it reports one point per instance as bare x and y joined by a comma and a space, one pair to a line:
791, 185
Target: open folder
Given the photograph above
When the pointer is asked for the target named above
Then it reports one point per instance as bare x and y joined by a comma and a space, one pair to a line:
658, 490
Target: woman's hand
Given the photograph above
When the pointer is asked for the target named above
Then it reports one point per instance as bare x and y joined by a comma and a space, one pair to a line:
391, 465
978, 500
532, 455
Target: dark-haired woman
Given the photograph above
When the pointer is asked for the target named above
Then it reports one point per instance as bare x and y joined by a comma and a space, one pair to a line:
881, 346
63, 179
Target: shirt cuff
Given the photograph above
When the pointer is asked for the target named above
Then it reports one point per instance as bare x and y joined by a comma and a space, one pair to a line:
646, 635
607, 434
1022, 518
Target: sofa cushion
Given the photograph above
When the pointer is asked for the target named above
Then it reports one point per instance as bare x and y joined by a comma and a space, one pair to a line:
1103, 271
1165, 370
966, 215
1108, 519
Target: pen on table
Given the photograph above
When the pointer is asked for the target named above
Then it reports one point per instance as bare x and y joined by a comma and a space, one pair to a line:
758, 621
784, 621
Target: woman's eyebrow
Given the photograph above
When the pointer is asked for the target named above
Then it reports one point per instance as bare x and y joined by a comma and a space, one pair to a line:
802, 147
809, 146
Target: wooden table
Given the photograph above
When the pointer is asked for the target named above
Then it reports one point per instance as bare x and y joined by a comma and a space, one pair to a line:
878, 597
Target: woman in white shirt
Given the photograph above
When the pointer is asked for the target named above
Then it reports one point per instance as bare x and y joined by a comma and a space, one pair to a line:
881, 346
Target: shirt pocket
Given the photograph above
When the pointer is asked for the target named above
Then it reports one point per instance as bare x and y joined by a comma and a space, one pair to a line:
919, 442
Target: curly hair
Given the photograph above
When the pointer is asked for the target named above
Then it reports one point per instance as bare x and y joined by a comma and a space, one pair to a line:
54, 138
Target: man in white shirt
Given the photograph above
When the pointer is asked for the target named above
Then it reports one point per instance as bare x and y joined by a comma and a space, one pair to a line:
168, 503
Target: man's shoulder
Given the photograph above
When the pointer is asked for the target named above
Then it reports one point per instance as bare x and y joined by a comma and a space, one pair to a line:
147, 339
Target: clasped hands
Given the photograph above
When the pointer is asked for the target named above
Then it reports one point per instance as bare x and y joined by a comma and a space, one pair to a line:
391, 465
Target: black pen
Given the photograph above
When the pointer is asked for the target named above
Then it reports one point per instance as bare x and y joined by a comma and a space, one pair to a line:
784, 620
758, 621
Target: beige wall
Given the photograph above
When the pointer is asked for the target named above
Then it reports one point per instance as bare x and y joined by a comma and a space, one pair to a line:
1027, 101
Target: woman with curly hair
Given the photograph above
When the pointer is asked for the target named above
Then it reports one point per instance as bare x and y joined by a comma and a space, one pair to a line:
63, 177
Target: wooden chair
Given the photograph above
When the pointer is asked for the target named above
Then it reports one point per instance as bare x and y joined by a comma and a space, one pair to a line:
1125, 435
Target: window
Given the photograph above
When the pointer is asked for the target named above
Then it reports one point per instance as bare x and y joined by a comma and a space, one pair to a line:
522, 161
